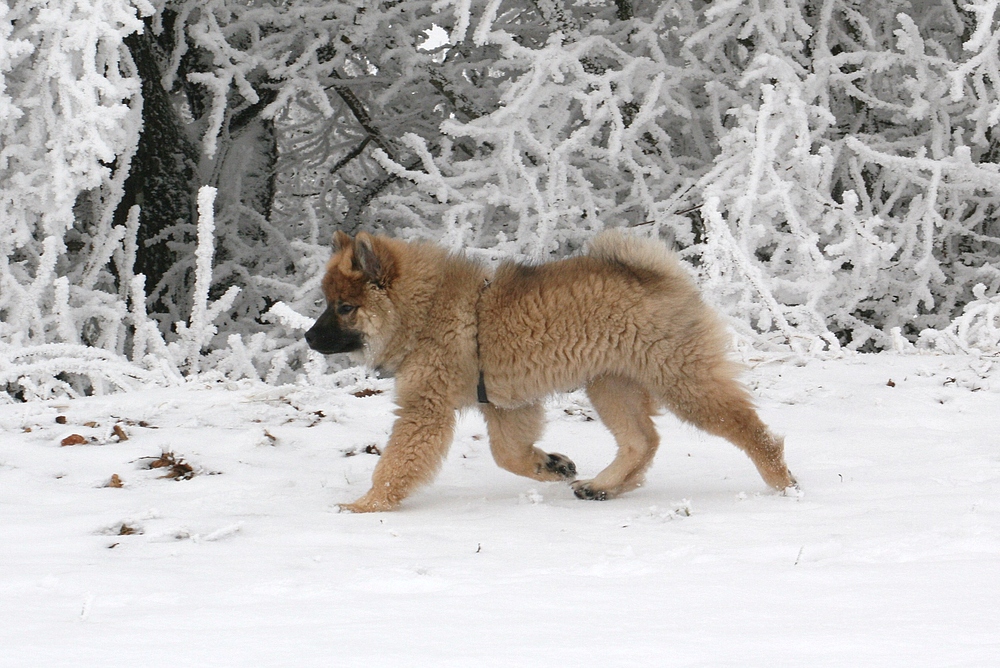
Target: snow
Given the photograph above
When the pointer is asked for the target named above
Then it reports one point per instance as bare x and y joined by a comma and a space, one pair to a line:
890, 557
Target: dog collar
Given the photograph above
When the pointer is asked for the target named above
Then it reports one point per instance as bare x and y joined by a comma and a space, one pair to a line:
481, 390
481, 395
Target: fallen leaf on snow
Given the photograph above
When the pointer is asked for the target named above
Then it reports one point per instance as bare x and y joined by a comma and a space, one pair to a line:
178, 469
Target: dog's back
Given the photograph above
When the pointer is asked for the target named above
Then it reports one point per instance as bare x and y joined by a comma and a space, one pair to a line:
626, 307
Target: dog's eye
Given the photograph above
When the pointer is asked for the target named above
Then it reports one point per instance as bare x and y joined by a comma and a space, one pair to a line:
345, 309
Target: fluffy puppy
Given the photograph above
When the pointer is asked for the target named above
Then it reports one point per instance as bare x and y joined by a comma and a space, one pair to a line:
623, 321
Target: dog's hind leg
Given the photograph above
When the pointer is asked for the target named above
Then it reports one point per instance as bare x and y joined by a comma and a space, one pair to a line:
512, 441
625, 408
714, 401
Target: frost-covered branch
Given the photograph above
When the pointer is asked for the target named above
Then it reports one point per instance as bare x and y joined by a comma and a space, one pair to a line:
828, 169
198, 334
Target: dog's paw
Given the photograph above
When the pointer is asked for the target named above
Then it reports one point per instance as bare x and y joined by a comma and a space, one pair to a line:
583, 490
359, 508
349, 508
779, 478
365, 505
561, 465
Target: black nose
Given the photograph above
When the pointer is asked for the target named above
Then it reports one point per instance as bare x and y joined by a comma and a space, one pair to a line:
328, 337
311, 337
318, 336
318, 339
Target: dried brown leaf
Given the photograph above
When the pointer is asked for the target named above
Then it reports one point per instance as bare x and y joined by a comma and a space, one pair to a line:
73, 439
178, 469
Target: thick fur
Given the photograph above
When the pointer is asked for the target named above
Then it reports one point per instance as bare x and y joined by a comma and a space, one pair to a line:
624, 321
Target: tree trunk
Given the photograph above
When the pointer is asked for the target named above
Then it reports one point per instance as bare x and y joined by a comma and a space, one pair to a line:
162, 176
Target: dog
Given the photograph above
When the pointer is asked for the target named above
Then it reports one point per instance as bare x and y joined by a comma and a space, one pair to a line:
624, 321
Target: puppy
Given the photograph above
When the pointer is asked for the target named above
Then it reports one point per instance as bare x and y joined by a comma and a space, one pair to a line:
623, 321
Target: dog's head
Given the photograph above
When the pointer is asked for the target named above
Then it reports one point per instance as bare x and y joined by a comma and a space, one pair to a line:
355, 285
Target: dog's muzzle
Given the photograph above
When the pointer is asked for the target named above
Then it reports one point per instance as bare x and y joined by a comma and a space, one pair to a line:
326, 336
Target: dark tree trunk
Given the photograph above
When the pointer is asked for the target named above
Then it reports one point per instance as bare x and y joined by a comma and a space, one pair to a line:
163, 172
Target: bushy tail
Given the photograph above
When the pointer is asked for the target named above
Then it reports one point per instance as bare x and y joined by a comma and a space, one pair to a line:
620, 247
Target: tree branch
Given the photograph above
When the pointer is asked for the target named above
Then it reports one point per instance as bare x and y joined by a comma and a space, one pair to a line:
355, 152
352, 220
360, 114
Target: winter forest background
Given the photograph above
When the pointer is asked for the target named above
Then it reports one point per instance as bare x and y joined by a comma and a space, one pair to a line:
171, 172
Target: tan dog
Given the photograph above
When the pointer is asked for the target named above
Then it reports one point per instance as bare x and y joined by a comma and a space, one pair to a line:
624, 321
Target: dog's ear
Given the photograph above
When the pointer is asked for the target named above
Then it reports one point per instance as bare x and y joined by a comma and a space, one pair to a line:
374, 259
341, 241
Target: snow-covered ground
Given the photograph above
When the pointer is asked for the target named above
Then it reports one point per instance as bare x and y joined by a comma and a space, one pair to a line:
890, 558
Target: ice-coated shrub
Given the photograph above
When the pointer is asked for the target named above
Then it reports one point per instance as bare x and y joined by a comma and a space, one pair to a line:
827, 168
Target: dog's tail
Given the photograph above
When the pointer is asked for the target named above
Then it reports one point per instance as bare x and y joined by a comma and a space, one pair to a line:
616, 246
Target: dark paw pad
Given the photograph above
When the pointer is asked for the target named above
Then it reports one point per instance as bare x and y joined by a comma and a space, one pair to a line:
561, 465
586, 492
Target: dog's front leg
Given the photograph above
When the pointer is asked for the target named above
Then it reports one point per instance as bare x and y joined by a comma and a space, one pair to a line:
418, 444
